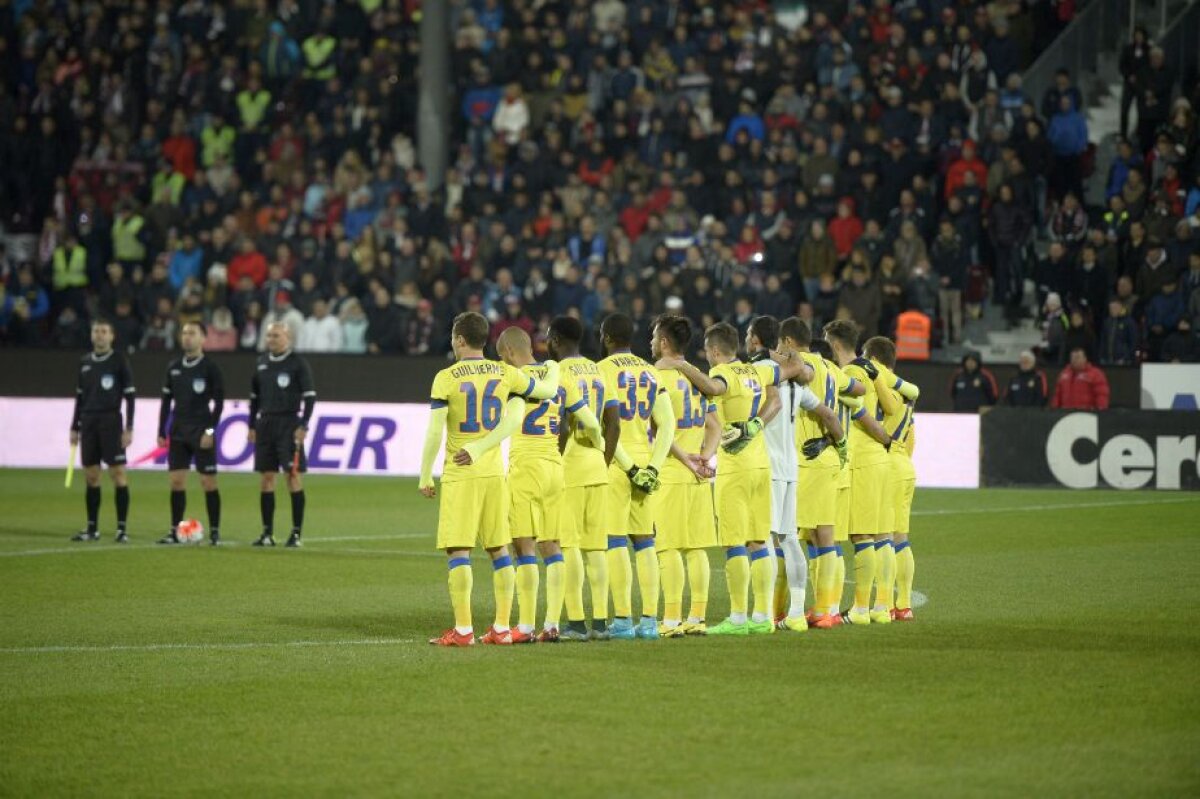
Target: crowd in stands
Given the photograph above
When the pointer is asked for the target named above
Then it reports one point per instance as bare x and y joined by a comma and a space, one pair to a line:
245, 161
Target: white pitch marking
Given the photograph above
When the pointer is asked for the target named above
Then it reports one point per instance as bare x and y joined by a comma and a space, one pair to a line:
40, 650
1061, 506
919, 600
392, 537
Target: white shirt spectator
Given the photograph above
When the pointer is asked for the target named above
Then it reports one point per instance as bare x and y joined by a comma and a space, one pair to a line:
320, 335
512, 115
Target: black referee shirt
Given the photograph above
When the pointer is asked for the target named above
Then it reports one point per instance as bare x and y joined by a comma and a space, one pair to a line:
103, 382
198, 392
281, 384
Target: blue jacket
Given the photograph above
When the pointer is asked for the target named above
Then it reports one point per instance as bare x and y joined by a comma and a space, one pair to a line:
751, 123
481, 102
1118, 173
184, 264
1165, 310
1068, 133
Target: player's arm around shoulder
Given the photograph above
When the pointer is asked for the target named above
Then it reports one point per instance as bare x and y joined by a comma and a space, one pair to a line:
712, 385
510, 421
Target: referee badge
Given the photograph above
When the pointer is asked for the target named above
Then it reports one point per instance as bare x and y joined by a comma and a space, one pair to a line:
198, 385
106, 382
283, 379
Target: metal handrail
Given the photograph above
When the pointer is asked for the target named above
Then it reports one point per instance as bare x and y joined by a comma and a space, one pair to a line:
1101, 27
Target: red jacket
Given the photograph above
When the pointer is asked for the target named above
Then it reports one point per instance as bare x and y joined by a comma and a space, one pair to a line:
1085, 390
253, 265
954, 177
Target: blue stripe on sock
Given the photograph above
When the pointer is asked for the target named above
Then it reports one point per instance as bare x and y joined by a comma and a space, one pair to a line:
759, 554
456, 562
617, 541
902, 546
502, 562
882, 544
550, 559
859, 547
645, 543
825, 551
812, 551
735, 552
779, 552
526, 560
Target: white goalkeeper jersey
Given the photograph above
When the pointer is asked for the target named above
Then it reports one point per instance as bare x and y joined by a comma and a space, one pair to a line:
781, 431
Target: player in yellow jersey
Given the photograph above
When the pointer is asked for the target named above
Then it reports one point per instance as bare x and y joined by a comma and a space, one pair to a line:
684, 516
743, 471
535, 487
803, 415
467, 402
870, 470
637, 388
588, 442
897, 398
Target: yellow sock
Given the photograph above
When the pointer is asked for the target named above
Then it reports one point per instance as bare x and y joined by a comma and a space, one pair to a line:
811, 551
905, 566
782, 598
699, 574
839, 582
555, 570
825, 590
670, 566
762, 581
597, 574
647, 576
620, 576
865, 566
737, 577
460, 580
504, 580
573, 583
527, 591
885, 578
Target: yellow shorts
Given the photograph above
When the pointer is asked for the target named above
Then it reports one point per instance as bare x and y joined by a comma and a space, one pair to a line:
582, 518
904, 486
841, 527
536, 489
630, 512
683, 516
744, 507
816, 496
868, 490
473, 512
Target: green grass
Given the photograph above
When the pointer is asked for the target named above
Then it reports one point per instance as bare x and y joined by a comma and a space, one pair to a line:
1056, 657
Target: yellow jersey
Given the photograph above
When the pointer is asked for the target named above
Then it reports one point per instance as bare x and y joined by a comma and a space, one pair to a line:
746, 388
474, 391
635, 385
898, 425
691, 408
828, 383
865, 450
583, 384
537, 438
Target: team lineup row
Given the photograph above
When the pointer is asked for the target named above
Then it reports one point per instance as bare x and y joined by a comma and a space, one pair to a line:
807, 441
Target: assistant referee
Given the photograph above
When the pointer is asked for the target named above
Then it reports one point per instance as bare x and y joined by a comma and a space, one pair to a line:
104, 381
282, 383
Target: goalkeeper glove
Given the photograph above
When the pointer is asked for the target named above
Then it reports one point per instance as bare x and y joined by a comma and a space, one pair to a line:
813, 447
868, 367
739, 435
843, 454
645, 480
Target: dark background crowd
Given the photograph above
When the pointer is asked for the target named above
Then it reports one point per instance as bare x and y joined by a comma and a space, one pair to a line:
247, 161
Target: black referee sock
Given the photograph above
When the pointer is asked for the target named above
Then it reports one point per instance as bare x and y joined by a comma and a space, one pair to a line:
297, 511
92, 499
266, 502
122, 493
178, 506
213, 500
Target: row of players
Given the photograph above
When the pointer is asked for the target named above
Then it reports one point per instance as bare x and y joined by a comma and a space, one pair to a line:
750, 456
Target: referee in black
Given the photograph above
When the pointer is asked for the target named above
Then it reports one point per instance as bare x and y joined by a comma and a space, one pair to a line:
105, 379
282, 384
195, 387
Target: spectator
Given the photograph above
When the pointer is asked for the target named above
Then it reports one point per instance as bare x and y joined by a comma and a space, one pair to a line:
186, 262
511, 117
249, 262
385, 331
818, 257
1081, 386
159, 333
1080, 334
354, 327
1135, 56
1155, 85
862, 300
1028, 388
221, 335
24, 310
972, 386
320, 332
1164, 311
1119, 337
1068, 136
950, 260
1009, 226
281, 312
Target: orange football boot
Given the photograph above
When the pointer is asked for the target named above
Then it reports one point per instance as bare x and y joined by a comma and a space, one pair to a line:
494, 636
453, 637
902, 614
548, 636
519, 637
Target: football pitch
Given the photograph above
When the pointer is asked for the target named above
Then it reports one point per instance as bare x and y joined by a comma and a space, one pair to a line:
1055, 655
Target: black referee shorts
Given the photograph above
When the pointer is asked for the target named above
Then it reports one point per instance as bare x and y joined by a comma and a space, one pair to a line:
100, 440
185, 448
275, 445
